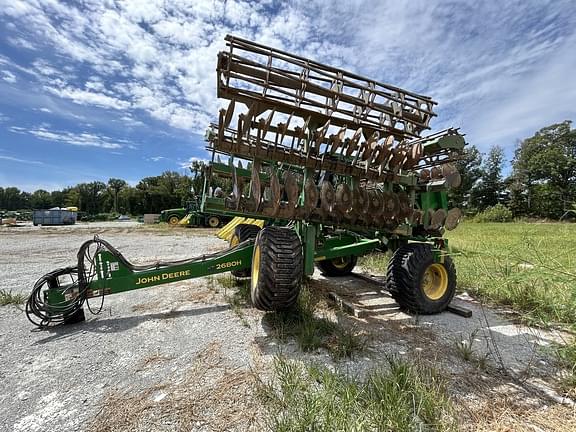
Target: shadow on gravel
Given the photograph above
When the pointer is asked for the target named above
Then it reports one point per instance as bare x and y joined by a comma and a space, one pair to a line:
117, 325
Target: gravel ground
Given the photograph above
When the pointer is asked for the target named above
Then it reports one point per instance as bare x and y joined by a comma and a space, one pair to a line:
177, 357
59, 378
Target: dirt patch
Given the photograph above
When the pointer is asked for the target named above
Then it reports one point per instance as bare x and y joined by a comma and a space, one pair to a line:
210, 395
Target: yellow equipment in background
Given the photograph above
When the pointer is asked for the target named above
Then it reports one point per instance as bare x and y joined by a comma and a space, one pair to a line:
227, 230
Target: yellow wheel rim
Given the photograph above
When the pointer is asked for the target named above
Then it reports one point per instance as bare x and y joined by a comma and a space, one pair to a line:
435, 281
213, 222
234, 241
340, 262
255, 267
173, 220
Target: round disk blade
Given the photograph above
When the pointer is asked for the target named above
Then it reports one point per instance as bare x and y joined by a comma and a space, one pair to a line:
343, 198
327, 196
390, 205
453, 218
425, 175
255, 185
438, 219
291, 187
310, 195
453, 180
275, 191
405, 206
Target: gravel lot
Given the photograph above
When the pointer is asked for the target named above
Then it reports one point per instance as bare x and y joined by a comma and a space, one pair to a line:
178, 351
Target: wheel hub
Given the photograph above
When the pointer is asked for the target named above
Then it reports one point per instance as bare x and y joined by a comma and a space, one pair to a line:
435, 281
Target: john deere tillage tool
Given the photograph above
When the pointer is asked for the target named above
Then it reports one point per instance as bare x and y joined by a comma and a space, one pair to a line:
334, 163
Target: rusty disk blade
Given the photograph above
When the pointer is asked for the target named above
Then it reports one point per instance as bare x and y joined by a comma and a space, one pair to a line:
417, 217
359, 201
275, 191
327, 196
353, 143
453, 218
229, 113
266, 124
448, 169
438, 219
427, 219
453, 180
375, 206
338, 139
404, 205
390, 205
255, 184
236, 189
435, 173
343, 198
291, 188
310, 195
425, 175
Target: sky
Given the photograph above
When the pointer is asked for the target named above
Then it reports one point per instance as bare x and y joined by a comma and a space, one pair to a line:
95, 89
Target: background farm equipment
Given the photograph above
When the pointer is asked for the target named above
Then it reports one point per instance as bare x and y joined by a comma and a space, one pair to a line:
192, 216
334, 164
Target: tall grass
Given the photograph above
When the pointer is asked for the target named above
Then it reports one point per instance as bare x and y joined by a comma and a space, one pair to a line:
528, 267
397, 396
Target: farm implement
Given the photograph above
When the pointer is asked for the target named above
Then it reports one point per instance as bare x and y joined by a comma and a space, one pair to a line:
334, 166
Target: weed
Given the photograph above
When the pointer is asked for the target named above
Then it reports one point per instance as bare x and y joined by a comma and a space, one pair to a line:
312, 331
567, 356
240, 296
465, 348
394, 396
9, 297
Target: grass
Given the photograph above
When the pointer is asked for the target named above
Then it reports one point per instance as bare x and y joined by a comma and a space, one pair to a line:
567, 356
528, 267
239, 297
312, 331
397, 396
8, 297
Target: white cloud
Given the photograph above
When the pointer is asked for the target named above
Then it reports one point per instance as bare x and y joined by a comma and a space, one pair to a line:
188, 163
8, 76
500, 70
157, 158
82, 139
18, 160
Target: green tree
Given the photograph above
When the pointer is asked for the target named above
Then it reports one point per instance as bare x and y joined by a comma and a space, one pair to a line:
547, 158
115, 186
41, 199
468, 166
489, 190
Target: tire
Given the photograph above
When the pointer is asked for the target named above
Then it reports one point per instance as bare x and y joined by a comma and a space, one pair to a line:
418, 283
340, 266
243, 232
213, 221
277, 269
173, 220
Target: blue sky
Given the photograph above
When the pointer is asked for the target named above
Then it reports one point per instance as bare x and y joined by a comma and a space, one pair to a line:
100, 88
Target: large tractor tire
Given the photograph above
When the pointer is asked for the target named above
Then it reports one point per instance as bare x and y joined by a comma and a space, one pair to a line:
277, 268
340, 266
213, 221
417, 282
243, 232
173, 220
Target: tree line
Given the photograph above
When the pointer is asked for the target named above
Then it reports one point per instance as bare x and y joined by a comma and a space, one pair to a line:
150, 195
541, 183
